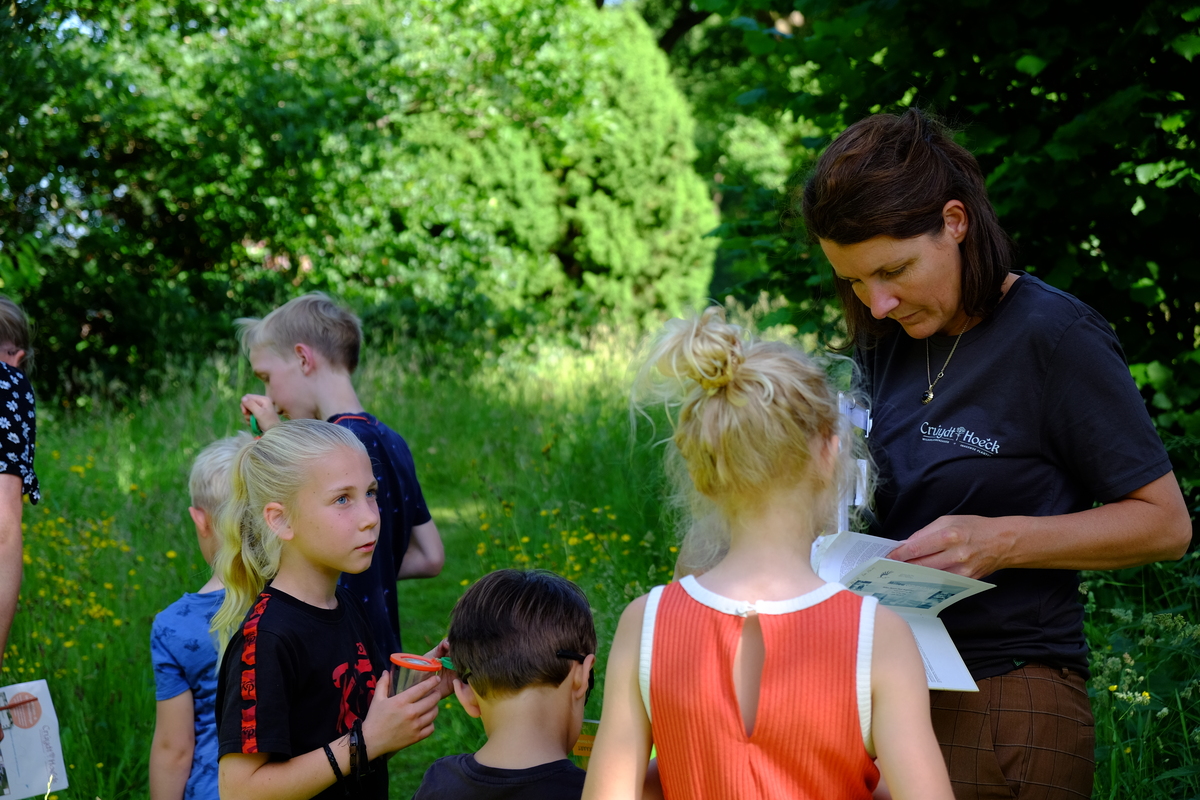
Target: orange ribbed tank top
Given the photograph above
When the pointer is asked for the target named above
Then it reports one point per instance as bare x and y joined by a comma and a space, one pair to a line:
813, 722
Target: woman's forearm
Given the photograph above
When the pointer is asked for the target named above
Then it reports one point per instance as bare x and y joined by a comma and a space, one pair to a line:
1148, 524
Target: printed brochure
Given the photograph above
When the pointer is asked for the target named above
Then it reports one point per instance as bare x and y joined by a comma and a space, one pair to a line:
916, 593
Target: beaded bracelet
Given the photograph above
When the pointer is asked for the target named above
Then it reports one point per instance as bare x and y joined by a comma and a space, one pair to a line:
337, 771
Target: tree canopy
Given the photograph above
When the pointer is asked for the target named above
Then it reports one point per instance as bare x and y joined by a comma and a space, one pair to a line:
457, 167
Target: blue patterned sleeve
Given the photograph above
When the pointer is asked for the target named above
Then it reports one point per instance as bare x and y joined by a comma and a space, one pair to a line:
170, 677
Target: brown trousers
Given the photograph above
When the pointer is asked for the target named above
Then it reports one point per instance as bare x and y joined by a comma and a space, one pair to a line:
1028, 735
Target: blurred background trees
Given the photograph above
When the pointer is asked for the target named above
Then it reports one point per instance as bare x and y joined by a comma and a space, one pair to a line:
481, 171
454, 169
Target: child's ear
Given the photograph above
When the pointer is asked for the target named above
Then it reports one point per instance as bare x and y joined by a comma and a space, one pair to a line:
580, 675
202, 522
275, 516
308, 358
466, 696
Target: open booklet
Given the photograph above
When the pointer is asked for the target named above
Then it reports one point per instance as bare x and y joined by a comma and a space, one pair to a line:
916, 593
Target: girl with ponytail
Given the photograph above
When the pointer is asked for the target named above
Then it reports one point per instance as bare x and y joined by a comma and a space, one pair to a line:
754, 678
302, 703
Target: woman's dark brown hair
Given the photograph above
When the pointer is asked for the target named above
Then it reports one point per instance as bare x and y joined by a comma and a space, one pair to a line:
890, 175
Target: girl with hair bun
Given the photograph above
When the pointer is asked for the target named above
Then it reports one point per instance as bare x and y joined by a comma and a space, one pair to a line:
1011, 441
302, 703
756, 679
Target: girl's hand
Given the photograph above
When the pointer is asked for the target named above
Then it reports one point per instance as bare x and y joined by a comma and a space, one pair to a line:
262, 409
394, 723
446, 676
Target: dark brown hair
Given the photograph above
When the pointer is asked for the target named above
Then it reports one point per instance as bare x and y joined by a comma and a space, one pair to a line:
15, 329
506, 631
890, 175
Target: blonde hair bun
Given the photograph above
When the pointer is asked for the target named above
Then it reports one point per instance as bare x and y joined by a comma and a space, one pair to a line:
746, 416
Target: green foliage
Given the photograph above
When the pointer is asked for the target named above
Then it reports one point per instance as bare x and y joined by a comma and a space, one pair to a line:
1145, 694
471, 168
521, 463
1082, 122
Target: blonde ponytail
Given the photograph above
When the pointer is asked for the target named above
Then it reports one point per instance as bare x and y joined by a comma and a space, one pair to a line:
269, 470
745, 416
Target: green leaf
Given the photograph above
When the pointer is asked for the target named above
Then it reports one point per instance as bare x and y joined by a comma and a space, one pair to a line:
760, 43
1030, 64
1187, 45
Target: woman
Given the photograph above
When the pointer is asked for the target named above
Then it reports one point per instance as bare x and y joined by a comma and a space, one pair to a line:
1003, 411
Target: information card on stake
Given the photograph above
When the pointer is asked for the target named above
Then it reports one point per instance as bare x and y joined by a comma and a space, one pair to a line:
31, 762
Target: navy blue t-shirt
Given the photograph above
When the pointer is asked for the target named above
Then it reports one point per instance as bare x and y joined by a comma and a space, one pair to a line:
401, 506
463, 778
1037, 415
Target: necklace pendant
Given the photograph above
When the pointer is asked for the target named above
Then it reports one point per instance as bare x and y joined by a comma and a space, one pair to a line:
927, 398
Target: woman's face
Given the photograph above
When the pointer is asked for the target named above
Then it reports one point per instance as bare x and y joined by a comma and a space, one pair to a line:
917, 281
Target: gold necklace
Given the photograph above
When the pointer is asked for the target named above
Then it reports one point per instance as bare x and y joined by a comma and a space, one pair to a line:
927, 398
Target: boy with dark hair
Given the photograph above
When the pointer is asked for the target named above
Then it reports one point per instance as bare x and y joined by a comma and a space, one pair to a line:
305, 352
524, 646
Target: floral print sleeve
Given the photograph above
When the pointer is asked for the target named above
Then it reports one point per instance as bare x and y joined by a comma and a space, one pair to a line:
18, 429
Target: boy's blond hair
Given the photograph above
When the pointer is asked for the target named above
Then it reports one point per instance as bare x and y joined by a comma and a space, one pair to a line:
209, 479
313, 319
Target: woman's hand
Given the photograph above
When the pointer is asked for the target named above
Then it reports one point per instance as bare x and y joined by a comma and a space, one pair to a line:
1148, 524
962, 544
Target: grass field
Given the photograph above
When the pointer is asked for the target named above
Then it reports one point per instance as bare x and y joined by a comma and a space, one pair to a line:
523, 461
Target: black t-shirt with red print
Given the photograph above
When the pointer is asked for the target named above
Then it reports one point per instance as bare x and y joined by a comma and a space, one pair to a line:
296, 677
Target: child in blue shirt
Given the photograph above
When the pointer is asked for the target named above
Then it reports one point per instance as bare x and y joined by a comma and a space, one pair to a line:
183, 755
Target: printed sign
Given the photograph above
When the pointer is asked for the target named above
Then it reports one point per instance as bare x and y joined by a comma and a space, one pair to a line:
31, 762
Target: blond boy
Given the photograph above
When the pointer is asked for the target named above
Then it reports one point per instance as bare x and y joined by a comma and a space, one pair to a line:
305, 352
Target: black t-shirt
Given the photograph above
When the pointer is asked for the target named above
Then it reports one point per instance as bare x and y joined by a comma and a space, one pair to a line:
18, 430
296, 677
464, 778
401, 506
1037, 415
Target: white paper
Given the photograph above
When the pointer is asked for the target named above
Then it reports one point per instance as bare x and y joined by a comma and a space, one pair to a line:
31, 762
918, 594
